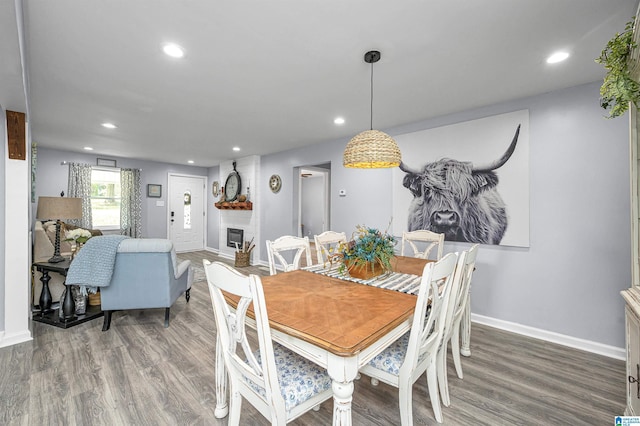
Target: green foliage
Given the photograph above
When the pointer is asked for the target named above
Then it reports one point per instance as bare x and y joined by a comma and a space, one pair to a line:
618, 88
368, 245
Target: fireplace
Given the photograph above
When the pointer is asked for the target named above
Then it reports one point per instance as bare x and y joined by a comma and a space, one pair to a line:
235, 236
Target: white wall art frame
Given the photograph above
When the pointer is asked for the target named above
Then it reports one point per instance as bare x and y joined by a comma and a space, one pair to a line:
444, 200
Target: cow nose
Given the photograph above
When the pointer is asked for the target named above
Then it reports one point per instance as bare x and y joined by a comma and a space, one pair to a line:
445, 218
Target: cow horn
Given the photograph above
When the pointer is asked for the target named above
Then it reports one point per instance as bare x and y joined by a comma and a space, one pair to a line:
500, 162
407, 169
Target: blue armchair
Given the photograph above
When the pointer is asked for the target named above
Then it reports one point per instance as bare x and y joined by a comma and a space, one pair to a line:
146, 275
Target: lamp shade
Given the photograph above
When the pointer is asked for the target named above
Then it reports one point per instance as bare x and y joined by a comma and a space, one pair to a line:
371, 149
59, 208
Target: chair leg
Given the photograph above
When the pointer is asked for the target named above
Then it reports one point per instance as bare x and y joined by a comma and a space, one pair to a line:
405, 397
166, 317
455, 349
187, 294
107, 320
235, 407
443, 380
432, 382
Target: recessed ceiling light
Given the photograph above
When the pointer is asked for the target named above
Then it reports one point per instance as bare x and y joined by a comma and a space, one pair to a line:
557, 57
173, 50
109, 125
88, 148
339, 120
190, 161
236, 148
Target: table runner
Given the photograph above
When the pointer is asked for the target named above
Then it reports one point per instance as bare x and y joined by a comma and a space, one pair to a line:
405, 283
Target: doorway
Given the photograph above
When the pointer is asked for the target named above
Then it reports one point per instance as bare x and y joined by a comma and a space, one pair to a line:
186, 219
313, 196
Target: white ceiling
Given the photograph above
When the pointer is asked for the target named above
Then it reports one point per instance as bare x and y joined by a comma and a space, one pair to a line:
272, 75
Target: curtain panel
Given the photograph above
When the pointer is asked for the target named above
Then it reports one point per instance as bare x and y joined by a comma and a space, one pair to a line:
80, 187
130, 203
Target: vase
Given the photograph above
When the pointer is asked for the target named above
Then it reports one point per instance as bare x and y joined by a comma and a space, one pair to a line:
75, 248
364, 271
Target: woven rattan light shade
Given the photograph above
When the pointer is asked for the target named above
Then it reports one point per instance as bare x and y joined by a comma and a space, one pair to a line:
371, 149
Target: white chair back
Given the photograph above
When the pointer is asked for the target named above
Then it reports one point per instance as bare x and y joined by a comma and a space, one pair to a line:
290, 244
431, 239
435, 291
405, 360
262, 376
458, 307
326, 244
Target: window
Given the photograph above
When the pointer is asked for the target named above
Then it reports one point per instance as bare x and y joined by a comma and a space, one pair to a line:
105, 198
187, 210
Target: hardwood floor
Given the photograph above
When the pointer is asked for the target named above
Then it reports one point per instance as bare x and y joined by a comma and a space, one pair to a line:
139, 373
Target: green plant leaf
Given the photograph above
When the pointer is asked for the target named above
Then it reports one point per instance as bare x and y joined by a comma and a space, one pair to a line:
618, 88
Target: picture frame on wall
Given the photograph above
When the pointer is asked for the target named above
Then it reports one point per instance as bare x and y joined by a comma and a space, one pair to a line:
154, 190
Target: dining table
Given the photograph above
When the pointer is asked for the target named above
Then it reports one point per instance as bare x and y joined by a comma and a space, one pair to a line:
336, 321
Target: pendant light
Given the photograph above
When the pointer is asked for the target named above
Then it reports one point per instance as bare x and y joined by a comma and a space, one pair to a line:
371, 149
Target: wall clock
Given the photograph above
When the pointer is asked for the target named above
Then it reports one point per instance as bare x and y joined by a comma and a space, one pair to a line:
233, 185
275, 183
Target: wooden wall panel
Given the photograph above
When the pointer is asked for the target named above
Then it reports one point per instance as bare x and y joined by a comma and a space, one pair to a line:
16, 132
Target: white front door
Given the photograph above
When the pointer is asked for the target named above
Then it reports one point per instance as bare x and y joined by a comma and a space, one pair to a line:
186, 212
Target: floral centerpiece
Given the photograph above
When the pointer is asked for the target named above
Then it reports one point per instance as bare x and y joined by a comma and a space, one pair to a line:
368, 254
78, 235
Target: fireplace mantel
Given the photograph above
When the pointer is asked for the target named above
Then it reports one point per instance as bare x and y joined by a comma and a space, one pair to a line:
235, 205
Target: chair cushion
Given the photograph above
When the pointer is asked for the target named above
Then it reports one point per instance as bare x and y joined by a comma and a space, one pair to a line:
299, 378
391, 359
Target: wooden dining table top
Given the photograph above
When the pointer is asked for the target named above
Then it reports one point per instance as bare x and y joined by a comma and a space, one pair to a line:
339, 316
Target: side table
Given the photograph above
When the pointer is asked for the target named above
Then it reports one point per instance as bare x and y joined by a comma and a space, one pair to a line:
67, 306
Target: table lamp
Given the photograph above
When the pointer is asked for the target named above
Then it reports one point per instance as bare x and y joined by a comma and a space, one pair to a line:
58, 208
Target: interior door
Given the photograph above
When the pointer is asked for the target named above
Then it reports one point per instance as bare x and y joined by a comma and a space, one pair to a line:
186, 212
313, 197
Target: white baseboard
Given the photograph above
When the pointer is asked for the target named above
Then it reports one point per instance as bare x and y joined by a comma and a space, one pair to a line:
212, 250
14, 339
550, 336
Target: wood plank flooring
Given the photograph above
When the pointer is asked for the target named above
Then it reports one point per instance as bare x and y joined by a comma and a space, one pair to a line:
139, 373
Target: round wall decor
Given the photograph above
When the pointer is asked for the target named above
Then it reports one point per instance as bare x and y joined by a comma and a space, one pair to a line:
275, 183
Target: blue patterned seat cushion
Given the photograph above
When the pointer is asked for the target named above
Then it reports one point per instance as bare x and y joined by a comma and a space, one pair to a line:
391, 359
299, 378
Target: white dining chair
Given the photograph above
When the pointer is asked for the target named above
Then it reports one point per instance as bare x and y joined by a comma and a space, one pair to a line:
464, 271
280, 384
404, 361
432, 240
327, 243
289, 245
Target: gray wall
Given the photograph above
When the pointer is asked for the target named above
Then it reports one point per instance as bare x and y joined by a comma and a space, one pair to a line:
213, 214
52, 178
568, 281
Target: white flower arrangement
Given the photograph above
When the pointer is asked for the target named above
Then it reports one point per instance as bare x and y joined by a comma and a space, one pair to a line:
78, 235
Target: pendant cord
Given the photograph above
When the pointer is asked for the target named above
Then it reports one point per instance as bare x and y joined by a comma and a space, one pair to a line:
371, 108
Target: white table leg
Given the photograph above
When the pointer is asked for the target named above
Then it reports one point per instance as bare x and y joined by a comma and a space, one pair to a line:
222, 408
465, 332
342, 372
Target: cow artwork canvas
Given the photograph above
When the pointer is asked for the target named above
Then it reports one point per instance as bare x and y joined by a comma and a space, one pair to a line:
469, 181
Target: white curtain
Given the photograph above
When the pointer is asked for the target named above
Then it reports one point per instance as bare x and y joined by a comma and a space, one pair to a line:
130, 203
80, 187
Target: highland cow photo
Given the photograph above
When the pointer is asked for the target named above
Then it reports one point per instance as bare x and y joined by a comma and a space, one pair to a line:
468, 180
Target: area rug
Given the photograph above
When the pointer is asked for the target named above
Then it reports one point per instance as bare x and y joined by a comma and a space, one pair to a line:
198, 274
